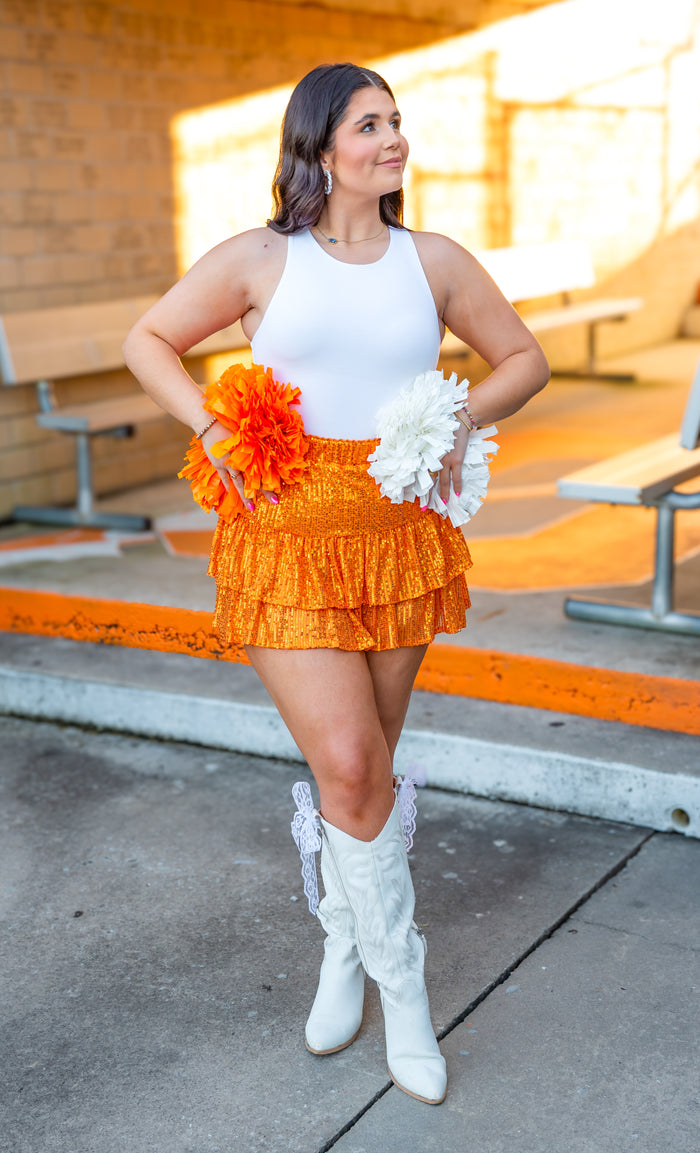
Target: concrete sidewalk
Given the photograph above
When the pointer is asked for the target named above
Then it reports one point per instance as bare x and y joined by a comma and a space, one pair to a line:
158, 961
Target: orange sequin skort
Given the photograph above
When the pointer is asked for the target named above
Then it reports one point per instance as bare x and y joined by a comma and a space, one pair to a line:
336, 565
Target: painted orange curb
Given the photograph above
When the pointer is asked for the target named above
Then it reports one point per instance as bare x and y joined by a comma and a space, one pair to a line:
634, 698
137, 626
667, 703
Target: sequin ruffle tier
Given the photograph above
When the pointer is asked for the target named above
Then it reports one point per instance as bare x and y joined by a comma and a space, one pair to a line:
335, 565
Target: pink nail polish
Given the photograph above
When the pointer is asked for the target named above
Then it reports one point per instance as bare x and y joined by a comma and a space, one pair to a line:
457, 494
249, 505
274, 500
443, 500
424, 508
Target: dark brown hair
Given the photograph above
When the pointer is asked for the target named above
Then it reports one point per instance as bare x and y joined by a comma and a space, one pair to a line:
316, 107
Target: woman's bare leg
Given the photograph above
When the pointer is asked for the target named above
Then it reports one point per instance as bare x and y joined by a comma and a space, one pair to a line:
336, 704
345, 711
393, 673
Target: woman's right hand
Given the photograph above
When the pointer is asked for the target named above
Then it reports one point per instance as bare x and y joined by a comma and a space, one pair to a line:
230, 476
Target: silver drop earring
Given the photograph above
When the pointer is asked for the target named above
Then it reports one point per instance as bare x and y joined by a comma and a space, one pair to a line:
329, 182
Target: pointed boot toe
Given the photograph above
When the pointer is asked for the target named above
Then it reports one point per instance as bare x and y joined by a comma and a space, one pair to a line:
424, 1079
415, 1062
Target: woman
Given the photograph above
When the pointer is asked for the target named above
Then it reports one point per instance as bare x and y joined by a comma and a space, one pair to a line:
334, 591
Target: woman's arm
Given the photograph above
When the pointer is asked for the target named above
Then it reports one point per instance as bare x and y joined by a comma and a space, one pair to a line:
470, 304
218, 290
475, 310
235, 279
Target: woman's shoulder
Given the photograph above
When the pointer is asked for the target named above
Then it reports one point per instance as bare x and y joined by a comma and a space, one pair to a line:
245, 255
253, 243
434, 245
445, 263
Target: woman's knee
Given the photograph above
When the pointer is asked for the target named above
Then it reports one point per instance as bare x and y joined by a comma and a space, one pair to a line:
354, 772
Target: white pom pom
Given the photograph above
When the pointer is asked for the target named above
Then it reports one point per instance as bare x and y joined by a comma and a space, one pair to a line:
417, 429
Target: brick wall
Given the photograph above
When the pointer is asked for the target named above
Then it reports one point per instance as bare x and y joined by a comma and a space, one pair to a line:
91, 90
86, 195
573, 121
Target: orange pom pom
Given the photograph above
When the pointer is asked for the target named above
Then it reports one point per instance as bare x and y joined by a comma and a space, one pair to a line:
267, 439
266, 444
208, 489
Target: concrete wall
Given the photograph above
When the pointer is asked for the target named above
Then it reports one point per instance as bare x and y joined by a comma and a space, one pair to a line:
580, 121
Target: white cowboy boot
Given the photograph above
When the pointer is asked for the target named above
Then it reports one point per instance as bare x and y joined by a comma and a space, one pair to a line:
377, 883
336, 1014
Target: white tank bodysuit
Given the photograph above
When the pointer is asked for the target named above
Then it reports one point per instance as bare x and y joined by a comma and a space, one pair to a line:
348, 335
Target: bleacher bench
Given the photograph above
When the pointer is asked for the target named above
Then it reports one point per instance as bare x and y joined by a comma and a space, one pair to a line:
43, 346
529, 271
648, 476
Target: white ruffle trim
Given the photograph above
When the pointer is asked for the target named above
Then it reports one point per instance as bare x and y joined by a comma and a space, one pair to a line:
417, 428
306, 830
406, 796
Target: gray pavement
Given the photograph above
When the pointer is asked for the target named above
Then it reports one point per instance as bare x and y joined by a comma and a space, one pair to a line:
157, 962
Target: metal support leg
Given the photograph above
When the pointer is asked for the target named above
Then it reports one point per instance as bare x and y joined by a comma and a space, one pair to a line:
83, 514
662, 589
661, 616
591, 369
85, 503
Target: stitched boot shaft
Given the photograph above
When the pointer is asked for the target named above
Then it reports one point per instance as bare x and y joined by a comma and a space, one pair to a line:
334, 912
336, 1014
377, 882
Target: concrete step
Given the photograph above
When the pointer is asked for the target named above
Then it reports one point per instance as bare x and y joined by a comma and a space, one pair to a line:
596, 768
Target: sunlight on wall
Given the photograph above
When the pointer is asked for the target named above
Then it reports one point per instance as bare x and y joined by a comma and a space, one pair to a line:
585, 114
579, 121
225, 157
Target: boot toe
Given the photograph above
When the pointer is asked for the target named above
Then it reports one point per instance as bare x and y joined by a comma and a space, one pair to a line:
326, 1035
426, 1080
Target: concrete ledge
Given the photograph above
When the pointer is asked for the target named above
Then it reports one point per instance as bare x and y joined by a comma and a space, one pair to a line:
608, 789
554, 780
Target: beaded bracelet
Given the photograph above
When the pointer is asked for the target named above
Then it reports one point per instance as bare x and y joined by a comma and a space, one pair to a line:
199, 435
465, 417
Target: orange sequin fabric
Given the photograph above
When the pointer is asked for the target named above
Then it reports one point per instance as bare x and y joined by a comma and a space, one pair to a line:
336, 565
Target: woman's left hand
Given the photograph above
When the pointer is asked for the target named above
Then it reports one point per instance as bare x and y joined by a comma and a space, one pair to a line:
451, 470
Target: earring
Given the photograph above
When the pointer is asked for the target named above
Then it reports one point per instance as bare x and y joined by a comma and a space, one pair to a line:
329, 182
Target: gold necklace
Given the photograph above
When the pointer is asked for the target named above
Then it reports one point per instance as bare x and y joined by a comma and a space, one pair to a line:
339, 240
